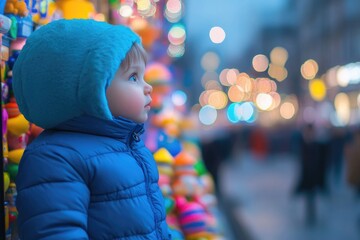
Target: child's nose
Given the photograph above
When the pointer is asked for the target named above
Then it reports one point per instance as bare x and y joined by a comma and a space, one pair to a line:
148, 88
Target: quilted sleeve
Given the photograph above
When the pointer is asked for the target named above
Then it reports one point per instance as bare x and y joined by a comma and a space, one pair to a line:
53, 196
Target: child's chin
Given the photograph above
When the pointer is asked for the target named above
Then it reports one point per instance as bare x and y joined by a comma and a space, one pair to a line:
142, 119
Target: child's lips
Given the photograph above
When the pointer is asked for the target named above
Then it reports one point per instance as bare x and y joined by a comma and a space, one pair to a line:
148, 105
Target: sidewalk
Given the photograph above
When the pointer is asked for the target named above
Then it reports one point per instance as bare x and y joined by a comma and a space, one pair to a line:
262, 203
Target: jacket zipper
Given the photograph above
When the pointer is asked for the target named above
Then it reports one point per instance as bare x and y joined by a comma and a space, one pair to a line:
136, 137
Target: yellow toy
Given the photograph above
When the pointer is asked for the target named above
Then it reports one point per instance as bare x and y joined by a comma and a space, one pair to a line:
164, 161
6, 181
51, 13
15, 155
18, 125
76, 9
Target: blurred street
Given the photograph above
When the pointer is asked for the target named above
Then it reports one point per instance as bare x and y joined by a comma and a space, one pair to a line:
259, 193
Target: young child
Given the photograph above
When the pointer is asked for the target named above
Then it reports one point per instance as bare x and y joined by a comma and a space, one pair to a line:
88, 175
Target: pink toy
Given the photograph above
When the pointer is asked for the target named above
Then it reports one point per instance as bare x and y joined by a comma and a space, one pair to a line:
192, 216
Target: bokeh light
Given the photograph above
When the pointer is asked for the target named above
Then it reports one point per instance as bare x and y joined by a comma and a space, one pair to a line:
126, 11
218, 99
309, 69
348, 74
217, 35
260, 63
342, 107
287, 110
264, 101
317, 89
179, 98
143, 5
279, 56
292, 98
177, 34
236, 93
245, 112
207, 115
173, 6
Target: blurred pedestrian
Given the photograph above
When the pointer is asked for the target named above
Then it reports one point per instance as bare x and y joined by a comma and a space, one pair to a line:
312, 175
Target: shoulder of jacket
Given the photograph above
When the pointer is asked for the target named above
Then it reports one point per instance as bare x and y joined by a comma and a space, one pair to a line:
86, 145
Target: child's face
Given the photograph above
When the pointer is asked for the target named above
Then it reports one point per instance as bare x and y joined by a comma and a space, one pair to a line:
129, 95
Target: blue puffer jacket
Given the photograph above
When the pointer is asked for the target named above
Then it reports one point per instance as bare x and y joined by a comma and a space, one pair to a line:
90, 178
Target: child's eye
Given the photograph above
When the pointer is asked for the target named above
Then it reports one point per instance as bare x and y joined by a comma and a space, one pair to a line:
133, 77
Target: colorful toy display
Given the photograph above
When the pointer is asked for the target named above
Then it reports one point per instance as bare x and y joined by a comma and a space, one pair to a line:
15, 26
188, 191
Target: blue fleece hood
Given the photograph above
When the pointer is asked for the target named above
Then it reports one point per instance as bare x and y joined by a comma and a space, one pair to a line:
65, 67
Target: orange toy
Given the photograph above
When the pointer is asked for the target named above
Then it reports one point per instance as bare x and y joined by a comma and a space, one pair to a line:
16, 7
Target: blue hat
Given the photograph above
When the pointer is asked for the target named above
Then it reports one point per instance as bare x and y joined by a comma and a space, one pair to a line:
65, 67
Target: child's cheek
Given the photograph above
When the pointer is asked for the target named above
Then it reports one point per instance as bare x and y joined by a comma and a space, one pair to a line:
135, 104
